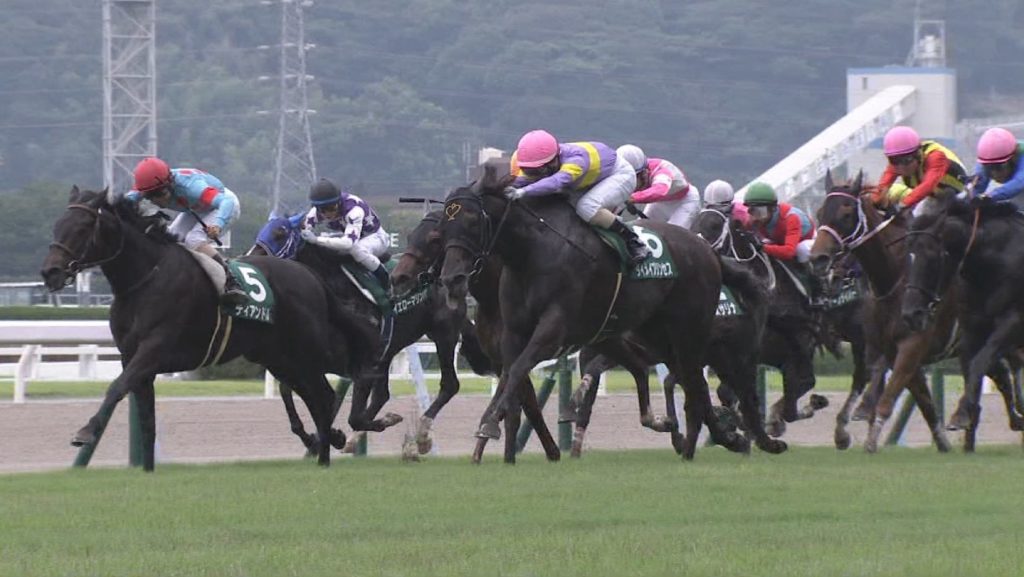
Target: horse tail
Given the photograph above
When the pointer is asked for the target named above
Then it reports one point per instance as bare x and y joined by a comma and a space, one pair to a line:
473, 352
748, 288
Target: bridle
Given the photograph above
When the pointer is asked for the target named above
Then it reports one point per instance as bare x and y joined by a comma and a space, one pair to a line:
725, 246
861, 232
76, 264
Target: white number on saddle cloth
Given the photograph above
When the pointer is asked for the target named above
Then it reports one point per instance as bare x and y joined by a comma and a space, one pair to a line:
249, 275
652, 242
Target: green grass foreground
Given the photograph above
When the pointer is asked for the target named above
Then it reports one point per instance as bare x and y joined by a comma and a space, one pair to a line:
618, 382
810, 512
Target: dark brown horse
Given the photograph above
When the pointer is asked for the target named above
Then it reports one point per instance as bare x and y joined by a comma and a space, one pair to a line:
979, 249
419, 311
850, 222
561, 288
166, 318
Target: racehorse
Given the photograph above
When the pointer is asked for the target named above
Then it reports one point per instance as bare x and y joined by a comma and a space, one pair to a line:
850, 222
561, 288
979, 249
421, 311
166, 318
792, 331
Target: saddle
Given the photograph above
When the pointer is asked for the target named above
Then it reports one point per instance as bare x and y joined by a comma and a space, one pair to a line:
657, 266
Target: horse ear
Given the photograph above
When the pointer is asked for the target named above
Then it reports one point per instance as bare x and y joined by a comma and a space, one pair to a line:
858, 181
109, 196
829, 185
73, 197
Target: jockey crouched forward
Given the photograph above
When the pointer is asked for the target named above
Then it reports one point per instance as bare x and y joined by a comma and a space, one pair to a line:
786, 231
663, 187
593, 175
354, 228
195, 195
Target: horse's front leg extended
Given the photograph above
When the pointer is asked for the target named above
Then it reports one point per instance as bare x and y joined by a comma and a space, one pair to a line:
138, 370
298, 429
145, 400
910, 353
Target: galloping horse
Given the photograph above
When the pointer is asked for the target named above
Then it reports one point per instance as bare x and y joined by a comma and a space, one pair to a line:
850, 222
561, 288
791, 332
983, 251
419, 312
166, 318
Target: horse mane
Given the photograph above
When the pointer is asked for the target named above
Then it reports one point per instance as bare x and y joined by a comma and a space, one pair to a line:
153, 227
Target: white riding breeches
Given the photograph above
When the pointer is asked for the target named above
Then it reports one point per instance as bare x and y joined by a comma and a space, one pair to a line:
678, 212
186, 227
368, 250
803, 250
610, 193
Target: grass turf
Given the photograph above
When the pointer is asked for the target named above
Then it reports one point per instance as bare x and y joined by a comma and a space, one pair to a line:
811, 511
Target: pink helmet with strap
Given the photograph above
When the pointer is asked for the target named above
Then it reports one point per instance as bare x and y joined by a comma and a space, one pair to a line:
900, 140
997, 145
536, 148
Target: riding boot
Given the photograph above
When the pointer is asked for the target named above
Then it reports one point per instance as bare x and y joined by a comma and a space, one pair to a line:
234, 294
638, 249
381, 274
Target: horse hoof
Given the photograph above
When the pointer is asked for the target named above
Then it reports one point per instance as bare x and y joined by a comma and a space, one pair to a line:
567, 415
410, 453
773, 446
338, 439
737, 444
424, 445
554, 456
353, 442
942, 444
776, 428
819, 402
576, 452
679, 443
1017, 424
83, 438
842, 440
488, 430
391, 419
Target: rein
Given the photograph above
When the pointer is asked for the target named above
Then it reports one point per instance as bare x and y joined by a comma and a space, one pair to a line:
75, 265
730, 249
861, 232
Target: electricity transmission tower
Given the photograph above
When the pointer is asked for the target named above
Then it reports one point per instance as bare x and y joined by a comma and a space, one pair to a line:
129, 88
294, 168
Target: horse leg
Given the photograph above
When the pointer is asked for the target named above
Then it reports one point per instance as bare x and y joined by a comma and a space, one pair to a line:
145, 399
531, 408
866, 409
919, 388
906, 366
310, 442
678, 439
742, 376
588, 388
1000, 375
488, 428
135, 371
449, 388
841, 436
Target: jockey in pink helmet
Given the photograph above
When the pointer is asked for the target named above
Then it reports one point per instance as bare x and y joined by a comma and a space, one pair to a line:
925, 166
591, 168
999, 159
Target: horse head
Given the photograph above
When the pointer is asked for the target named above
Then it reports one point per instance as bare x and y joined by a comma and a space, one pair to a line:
471, 222
280, 237
936, 244
842, 220
423, 251
87, 234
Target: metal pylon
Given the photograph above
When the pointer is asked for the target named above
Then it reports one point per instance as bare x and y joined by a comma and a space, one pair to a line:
129, 88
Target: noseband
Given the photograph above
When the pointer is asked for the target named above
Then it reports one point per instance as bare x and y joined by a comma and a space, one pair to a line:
76, 264
861, 233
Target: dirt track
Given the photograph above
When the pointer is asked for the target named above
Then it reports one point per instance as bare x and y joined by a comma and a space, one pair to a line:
35, 435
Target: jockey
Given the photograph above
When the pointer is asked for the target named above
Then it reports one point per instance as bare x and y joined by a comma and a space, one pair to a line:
662, 187
206, 210
787, 232
999, 159
926, 167
355, 228
720, 196
592, 168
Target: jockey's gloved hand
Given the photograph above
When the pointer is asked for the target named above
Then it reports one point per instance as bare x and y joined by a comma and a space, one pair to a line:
513, 193
981, 201
308, 235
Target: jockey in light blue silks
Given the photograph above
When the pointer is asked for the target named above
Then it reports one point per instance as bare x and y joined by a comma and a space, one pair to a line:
354, 228
195, 195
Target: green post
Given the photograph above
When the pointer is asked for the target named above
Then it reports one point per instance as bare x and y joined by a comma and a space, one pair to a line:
542, 398
85, 453
939, 394
564, 394
900, 424
134, 433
